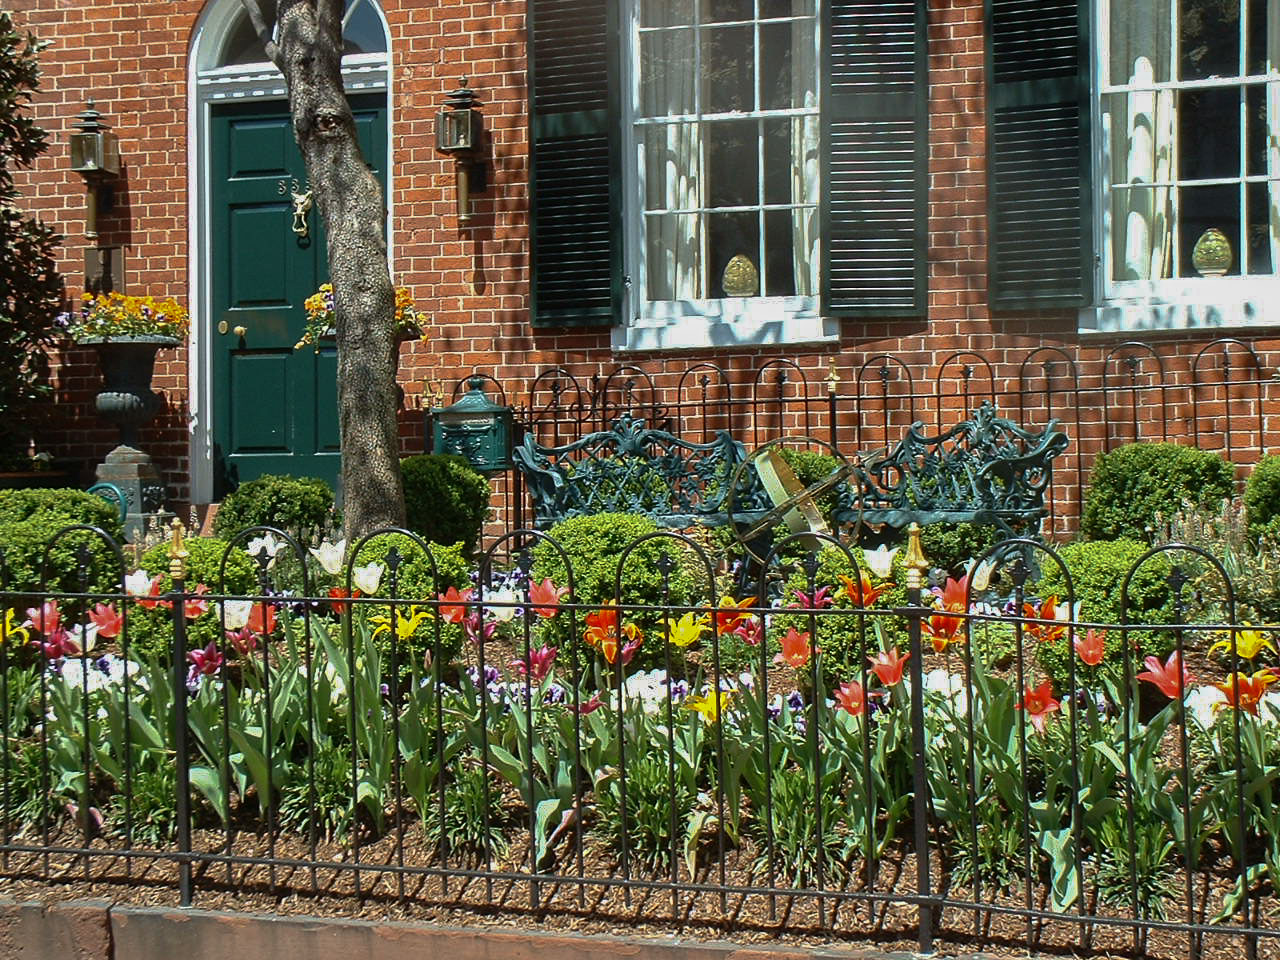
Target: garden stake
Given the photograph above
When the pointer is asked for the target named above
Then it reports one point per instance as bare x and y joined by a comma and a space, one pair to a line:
917, 566
177, 596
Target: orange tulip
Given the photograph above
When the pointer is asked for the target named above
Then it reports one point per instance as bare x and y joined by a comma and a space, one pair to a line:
795, 649
862, 591
453, 604
888, 665
1039, 703
1171, 677
851, 697
1046, 624
1092, 647
1244, 692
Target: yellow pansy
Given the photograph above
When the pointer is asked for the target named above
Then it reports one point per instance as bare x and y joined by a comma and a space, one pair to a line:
687, 629
1249, 643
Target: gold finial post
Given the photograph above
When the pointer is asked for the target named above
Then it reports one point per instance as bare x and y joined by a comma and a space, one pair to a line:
177, 551
435, 391
915, 562
833, 378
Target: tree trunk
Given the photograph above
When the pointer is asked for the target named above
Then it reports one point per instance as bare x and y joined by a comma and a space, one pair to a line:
307, 47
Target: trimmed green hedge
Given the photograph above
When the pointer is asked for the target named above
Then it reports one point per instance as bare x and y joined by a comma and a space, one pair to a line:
29, 519
445, 499
299, 506
1262, 498
1132, 484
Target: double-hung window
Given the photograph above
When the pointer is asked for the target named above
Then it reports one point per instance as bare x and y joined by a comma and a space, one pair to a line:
726, 172
1189, 99
722, 168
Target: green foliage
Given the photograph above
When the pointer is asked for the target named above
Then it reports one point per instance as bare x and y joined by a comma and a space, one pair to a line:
1098, 568
153, 808
30, 288
445, 499
327, 808
594, 546
811, 467
1148, 859
300, 506
1133, 486
839, 637
471, 826
1262, 498
29, 519
950, 546
151, 631
1249, 562
415, 582
649, 810
796, 837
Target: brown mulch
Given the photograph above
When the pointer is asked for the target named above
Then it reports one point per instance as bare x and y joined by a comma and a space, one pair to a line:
564, 905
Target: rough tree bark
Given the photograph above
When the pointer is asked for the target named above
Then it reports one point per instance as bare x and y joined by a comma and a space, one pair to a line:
303, 38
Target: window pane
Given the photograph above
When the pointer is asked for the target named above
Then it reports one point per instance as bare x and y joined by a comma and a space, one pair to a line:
673, 257
785, 8
363, 32
1209, 38
1256, 118
1140, 41
733, 174
1142, 238
1209, 133
781, 46
1204, 208
730, 235
671, 167
780, 227
721, 10
777, 161
242, 45
1256, 38
665, 13
1264, 227
728, 83
666, 73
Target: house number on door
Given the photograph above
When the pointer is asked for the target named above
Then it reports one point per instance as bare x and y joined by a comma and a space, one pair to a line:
301, 205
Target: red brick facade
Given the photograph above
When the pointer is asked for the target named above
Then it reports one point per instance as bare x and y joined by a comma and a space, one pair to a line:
132, 58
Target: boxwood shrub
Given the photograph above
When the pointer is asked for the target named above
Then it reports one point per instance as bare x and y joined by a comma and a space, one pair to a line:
1132, 484
594, 545
1262, 498
1098, 568
151, 631
445, 499
300, 506
29, 519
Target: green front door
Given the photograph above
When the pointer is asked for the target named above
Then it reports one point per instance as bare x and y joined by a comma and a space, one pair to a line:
275, 408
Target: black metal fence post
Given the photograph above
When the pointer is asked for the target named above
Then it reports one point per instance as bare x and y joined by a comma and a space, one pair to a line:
917, 567
177, 596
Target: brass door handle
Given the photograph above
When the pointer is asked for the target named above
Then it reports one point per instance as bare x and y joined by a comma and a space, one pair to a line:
240, 332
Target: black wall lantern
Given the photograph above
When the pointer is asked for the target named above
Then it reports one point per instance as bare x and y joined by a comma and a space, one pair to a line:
459, 131
95, 155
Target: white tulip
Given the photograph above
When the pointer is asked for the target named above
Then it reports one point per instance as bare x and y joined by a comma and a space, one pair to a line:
265, 544
236, 613
367, 578
509, 600
137, 584
880, 561
330, 556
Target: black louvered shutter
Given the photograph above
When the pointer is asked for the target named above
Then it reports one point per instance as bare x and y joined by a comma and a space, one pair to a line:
574, 163
1041, 250
876, 158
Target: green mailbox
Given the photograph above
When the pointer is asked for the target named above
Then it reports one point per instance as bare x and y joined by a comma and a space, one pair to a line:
475, 428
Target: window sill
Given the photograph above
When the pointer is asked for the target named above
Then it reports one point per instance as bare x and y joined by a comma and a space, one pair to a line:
1196, 304
761, 325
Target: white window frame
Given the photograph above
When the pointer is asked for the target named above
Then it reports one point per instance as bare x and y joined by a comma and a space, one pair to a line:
1174, 303
699, 324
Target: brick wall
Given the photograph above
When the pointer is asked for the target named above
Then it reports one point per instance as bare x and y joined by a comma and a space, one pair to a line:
474, 283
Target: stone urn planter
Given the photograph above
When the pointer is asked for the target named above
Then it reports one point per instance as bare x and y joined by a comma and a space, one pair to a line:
127, 400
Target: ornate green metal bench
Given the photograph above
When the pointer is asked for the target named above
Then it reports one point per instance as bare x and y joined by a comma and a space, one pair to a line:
986, 470
631, 469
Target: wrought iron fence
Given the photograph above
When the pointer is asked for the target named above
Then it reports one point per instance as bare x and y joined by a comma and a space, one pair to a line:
843, 750
1217, 398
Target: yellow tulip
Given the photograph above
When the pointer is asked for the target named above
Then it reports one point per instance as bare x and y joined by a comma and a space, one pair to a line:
709, 706
687, 629
406, 627
13, 629
1249, 643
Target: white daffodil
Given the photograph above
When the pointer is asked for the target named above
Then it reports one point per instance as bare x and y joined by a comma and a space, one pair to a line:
367, 578
138, 583
266, 545
508, 600
235, 613
880, 560
330, 556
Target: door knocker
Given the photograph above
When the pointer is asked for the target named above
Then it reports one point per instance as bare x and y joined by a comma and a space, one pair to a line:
301, 205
